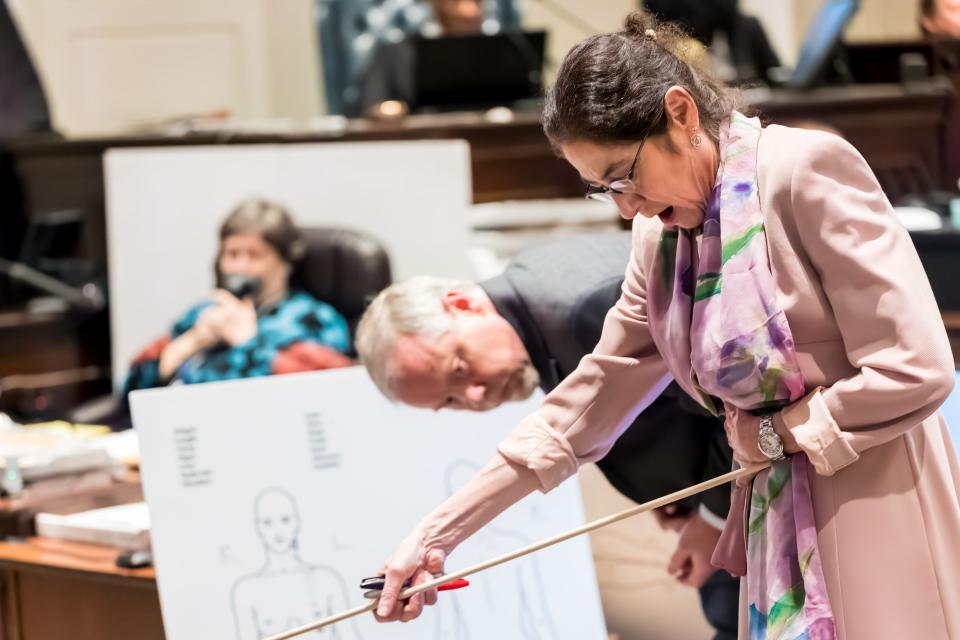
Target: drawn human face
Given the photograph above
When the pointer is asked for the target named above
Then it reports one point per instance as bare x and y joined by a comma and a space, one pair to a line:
277, 520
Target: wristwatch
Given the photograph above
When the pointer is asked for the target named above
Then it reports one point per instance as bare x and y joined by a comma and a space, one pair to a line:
771, 445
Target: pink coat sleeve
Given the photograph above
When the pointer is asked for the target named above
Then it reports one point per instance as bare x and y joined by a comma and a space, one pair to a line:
889, 321
581, 419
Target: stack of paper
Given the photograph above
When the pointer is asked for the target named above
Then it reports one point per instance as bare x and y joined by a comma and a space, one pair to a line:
126, 526
39, 453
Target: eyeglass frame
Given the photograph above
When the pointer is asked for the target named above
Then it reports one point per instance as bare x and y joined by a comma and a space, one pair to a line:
605, 193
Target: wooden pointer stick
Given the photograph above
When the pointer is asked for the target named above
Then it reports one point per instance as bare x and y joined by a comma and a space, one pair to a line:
543, 544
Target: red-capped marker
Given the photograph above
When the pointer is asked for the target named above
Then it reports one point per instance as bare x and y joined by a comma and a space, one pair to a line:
375, 584
459, 583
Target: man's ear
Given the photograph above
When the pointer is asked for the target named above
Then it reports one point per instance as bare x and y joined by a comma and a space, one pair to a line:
459, 302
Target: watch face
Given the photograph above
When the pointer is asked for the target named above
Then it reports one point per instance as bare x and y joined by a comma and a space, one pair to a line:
771, 445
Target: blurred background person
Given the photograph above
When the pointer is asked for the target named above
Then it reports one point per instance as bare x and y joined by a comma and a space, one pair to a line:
940, 17
738, 45
458, 17
389, 74
256, 322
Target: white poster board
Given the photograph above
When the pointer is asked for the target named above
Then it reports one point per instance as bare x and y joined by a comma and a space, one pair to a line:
271, 498
165, 206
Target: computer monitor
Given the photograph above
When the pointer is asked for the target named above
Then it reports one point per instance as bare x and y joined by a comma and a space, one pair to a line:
822, 41
52, 237
477, 71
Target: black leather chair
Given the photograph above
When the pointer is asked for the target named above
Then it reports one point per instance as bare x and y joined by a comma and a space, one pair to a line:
345, 268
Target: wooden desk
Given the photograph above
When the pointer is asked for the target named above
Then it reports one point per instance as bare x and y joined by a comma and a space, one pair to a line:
67, 494
880, 62
53, 337
902, 132
53, 589
71, 352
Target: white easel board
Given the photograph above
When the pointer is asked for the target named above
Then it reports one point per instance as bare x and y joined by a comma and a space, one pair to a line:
165, 206
271, 498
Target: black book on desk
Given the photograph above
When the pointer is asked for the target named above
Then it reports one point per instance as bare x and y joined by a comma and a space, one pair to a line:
476, 71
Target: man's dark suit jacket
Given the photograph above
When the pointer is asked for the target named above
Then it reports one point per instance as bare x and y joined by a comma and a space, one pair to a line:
556, 296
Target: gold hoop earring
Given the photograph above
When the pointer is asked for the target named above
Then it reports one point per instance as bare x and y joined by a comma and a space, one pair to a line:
696, 140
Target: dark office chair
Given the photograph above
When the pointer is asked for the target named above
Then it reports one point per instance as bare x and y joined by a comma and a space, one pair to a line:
345, 268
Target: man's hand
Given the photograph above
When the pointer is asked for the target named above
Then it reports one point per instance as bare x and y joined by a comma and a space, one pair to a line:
671, 518
690, 563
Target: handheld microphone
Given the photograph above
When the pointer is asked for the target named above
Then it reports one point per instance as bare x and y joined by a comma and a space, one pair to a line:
239, 285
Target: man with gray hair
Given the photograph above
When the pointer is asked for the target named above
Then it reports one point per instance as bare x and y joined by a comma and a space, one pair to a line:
415, 327
441, 343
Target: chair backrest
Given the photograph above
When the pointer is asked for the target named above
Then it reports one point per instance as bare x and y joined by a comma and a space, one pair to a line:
344, 268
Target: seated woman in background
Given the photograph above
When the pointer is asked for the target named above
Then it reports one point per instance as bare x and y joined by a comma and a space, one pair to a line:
254, 323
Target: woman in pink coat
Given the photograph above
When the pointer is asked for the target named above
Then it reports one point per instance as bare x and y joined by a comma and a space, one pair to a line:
771, 279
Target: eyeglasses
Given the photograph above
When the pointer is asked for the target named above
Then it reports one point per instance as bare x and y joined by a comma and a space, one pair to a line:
617, 187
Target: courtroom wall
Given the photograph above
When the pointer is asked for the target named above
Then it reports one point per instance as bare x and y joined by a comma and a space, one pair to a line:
107, 64
111, 65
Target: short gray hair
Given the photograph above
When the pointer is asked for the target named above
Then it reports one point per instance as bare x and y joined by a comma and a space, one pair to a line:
413, 307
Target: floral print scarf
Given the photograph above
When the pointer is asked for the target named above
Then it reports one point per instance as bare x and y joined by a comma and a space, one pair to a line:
714, 315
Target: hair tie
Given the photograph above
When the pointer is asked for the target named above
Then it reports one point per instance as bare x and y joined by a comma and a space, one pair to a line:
650, 33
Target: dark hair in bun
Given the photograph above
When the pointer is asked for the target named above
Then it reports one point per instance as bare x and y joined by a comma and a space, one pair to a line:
610, 87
